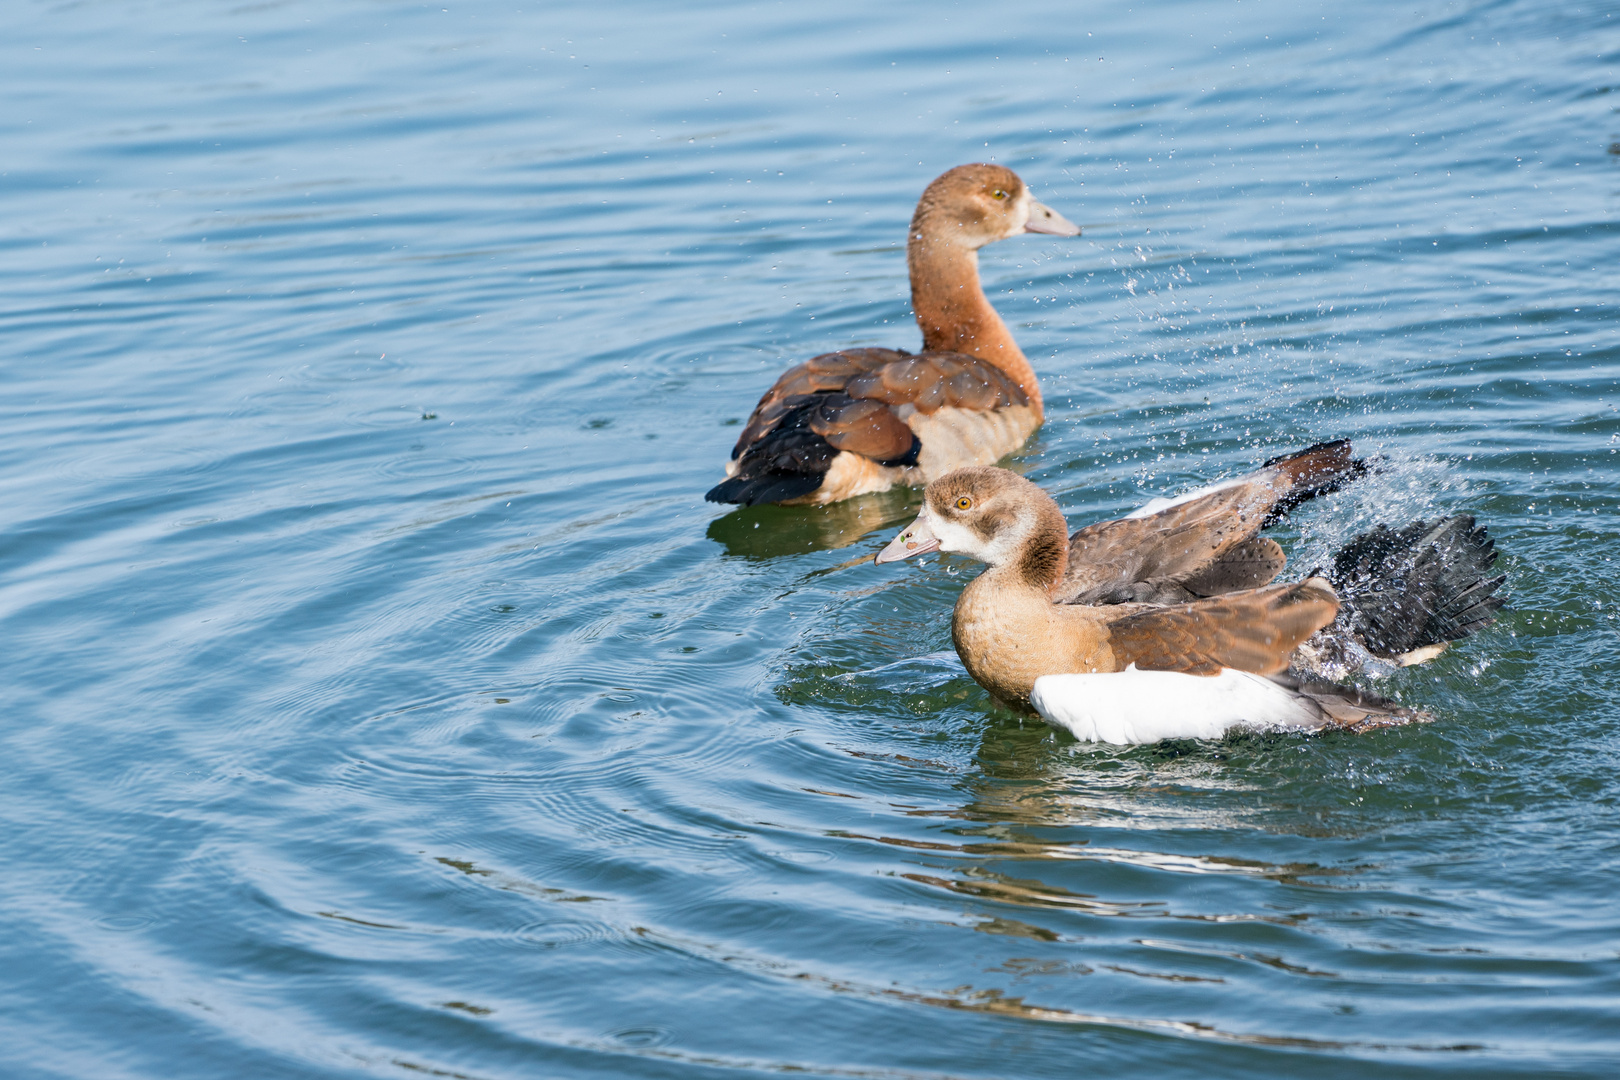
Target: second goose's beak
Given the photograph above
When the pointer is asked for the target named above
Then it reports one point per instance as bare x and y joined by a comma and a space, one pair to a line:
1043, 219
915, 539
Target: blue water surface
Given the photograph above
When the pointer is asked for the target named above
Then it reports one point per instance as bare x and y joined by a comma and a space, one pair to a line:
382, 699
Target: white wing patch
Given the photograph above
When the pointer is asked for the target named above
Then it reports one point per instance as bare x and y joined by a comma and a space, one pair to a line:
1153, 506
1132, 707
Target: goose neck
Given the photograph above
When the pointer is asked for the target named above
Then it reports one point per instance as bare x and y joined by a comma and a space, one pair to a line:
952, 310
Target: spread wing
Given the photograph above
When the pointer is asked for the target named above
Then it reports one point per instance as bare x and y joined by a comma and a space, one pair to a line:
1204, 545
855, 401
1247, 564
1418, 586
1256, 630
1107, 559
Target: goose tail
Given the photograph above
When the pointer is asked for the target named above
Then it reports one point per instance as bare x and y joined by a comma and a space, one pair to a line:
1349, 707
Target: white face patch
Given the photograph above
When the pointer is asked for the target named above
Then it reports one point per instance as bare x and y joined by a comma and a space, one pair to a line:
954, 536
1020, 215
1003, 547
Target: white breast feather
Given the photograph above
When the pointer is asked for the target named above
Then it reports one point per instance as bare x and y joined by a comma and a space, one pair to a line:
956, 438
952, 439
1132, 707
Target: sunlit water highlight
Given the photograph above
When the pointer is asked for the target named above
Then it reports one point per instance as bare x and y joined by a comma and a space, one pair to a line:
383, 699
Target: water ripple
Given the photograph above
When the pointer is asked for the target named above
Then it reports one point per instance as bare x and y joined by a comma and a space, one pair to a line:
385, 699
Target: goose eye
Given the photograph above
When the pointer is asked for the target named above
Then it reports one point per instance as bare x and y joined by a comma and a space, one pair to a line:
998, 195
964, 503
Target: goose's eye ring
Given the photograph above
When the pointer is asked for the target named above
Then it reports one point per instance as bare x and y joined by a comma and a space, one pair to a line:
964, 503
999, 195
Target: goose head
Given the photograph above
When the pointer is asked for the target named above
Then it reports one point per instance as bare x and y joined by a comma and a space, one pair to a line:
974, 205
991, 515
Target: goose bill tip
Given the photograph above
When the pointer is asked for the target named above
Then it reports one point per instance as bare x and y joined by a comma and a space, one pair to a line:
1043, 219
915, 539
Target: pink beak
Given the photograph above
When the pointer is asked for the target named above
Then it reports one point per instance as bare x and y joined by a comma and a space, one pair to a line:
1043, 219
915, 539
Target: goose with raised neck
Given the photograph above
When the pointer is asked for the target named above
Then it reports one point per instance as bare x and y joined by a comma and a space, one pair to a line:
947, 297
863, 420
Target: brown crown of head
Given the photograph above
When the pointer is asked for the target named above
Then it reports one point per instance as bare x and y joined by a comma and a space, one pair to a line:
1000, 505
971, 204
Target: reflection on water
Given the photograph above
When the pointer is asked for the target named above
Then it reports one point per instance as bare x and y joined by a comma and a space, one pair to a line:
996, 1002
383, 698
770, 532
1008, 847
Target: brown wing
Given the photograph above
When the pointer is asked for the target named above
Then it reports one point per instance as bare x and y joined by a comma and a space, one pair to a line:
1206, 545
819, 374
935, 380
1253, 631
1246, 565
1107, 558
890, 377
862, 426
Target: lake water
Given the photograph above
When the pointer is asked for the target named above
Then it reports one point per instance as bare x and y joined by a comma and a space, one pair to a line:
382, 699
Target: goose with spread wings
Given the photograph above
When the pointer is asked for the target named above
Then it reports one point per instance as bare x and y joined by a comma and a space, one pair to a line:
1169, 623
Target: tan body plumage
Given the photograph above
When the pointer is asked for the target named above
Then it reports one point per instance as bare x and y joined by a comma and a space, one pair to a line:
1010, 628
